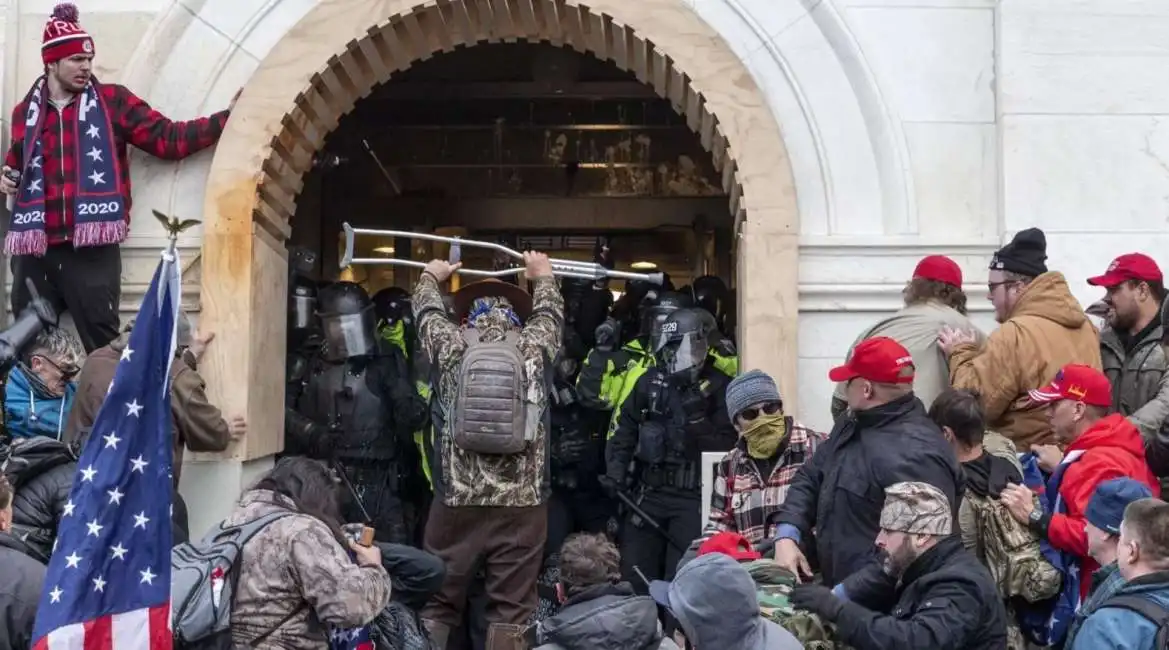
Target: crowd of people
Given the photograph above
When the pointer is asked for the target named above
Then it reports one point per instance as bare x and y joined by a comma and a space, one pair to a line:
520, 464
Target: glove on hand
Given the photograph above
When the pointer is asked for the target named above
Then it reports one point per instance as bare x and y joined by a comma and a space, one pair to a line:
817, 599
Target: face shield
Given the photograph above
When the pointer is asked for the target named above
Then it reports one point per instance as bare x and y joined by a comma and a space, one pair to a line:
681, 353
301, 312
349, 335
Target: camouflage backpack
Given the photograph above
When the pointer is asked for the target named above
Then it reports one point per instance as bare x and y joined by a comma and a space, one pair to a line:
773, 588
1011, 553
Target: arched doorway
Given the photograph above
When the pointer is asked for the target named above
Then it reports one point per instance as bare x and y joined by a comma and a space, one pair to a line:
344, 48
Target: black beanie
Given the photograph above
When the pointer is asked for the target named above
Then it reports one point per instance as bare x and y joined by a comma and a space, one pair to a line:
1025, 254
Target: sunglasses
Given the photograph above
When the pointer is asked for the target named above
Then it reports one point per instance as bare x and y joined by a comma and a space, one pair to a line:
68, 371
770, 408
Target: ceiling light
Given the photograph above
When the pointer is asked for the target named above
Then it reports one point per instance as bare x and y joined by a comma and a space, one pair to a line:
644, 266
386, 250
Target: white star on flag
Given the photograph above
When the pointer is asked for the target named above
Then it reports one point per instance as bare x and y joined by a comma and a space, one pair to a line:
119, 551
99, 178
140, 520
139, 464
55, 595
126, 352
99, 584
112, 440
115, 497
72, 559
94, 154
94, 528
88, 473
68, 510
147, 576
133, 408
35, 185
92, 131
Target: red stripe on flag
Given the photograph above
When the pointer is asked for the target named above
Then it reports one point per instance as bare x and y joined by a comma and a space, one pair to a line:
99, 634
42, 643
161, 637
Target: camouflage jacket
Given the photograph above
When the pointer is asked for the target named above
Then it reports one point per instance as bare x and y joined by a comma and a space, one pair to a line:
295, 575
467, 478
774, 586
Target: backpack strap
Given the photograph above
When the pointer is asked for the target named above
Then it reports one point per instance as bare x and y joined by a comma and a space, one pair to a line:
1147, 607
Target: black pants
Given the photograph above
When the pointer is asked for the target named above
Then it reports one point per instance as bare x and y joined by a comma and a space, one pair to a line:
86, 282
577, 511
376, 486
642, 546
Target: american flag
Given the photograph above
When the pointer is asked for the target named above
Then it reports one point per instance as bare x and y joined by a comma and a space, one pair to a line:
357, 638
108, 581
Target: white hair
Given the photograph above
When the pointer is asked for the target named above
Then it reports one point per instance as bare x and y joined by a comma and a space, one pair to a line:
60, 346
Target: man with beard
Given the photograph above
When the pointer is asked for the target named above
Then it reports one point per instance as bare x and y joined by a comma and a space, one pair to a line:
359, 396
1130, 344
927, 592
69, 174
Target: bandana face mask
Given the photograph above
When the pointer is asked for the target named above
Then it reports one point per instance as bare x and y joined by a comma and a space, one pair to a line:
765, 434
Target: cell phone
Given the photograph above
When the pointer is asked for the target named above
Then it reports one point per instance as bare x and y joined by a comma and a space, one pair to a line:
359, 534
10, 200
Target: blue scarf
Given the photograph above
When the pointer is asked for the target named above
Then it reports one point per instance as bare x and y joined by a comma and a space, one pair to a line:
99, 202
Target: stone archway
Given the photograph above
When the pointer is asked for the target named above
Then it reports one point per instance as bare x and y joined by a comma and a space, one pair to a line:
342, 49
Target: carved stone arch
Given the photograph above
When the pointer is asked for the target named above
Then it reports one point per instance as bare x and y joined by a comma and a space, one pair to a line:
342, 49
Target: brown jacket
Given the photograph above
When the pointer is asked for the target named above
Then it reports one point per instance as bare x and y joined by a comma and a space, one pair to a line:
1046, 331
198, 425
294, 574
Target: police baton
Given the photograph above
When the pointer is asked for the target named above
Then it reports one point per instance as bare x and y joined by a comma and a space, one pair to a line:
367, 533
636, 509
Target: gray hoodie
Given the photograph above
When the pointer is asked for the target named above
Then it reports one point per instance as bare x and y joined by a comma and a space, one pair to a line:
715, 601
604, 617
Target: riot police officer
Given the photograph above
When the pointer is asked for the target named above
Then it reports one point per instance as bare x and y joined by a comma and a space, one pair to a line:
710, 293
395, 319
676, 412
360, 396
303, 344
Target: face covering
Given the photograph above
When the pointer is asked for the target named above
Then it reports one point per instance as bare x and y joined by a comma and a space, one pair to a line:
764, 435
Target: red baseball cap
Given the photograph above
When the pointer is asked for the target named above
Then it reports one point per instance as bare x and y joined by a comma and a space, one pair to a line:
732, 544
939, 268
1130, 266
1076, 382
879, 359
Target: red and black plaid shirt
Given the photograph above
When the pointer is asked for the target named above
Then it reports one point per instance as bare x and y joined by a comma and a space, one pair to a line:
134, 122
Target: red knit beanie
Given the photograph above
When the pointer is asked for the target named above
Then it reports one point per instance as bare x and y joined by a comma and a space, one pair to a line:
64, 36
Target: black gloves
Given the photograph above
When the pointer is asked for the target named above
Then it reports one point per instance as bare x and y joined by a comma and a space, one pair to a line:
610, 485
607, 334
817, 599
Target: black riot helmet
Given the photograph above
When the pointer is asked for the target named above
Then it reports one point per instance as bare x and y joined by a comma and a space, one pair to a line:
682, 342
392, 305
655, 312
710, 293
347, 318
301, 261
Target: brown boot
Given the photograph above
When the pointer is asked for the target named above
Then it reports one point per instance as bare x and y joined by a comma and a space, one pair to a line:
439, 634
501, 636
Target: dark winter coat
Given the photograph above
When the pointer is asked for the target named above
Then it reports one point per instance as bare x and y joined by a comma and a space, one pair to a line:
41, 469
20, 590
604, 617
840, 493
945, 599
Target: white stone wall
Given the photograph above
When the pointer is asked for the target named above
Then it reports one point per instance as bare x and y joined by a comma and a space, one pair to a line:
913, 127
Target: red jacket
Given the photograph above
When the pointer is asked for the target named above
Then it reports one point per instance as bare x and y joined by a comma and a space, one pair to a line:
1111, 448
134, 122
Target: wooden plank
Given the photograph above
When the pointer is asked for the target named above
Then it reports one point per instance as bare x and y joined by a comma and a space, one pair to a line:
373, 57
434, 20
706, 127
421, 43
693, 106
659, 73
468, 34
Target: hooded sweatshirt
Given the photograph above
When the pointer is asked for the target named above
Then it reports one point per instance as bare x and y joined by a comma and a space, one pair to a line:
715, 601
1046, 331
1111, 448
604, 617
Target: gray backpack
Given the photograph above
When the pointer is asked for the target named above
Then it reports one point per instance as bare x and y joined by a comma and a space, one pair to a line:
491, 412
204, 577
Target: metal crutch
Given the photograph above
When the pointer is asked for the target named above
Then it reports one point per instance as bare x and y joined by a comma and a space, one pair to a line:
560, 267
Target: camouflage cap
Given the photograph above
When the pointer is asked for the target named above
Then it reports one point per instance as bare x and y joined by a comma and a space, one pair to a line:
917, 509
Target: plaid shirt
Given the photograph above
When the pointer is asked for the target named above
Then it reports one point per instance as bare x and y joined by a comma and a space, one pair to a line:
134, 122
741, 501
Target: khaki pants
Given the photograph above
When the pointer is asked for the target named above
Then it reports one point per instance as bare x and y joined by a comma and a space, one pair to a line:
510, 542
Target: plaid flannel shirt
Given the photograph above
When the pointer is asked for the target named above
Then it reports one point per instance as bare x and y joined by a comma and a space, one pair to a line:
134, 122
741, 500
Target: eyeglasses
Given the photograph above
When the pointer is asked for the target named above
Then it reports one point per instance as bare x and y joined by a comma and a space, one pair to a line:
68, 372
991, 286
770, 408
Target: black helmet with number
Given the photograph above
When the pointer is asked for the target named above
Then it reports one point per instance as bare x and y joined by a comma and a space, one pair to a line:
682, 342
347, 318
655, 308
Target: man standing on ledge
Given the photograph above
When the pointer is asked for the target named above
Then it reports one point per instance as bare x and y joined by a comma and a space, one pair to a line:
69, 175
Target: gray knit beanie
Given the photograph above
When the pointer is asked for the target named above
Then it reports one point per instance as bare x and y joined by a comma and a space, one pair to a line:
752, 387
